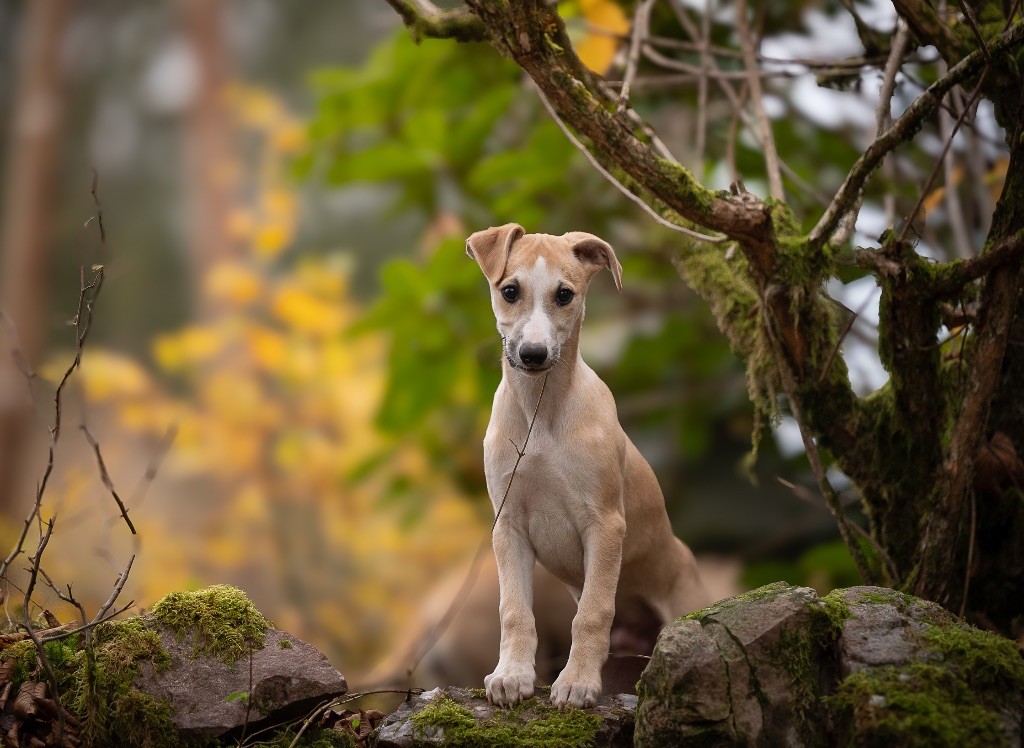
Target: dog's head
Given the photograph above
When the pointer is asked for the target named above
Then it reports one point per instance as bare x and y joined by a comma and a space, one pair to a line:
538, 284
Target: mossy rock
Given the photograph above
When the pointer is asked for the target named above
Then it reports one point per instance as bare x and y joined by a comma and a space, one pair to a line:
180, 675
463, 718
863, 666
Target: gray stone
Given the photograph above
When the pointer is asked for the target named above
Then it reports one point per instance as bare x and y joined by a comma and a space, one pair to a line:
288, 678
464, 717
862, 666
741, 672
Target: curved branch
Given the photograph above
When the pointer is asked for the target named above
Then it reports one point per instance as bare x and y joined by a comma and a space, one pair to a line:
534, 35
424, 19
902, 130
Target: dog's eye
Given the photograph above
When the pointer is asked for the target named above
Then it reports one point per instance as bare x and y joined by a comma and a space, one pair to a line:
510, 293
563, 296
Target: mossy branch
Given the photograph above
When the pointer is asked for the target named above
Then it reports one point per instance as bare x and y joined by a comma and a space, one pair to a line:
425, 20
534, 35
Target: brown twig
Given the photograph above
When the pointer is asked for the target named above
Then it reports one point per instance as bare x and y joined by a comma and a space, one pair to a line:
771, 156
105, 477
908, 222
344, 700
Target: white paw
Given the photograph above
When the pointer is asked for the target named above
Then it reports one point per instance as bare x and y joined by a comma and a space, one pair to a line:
574, 689
508, 685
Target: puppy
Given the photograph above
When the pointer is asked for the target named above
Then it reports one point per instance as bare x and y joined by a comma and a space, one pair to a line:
584, 502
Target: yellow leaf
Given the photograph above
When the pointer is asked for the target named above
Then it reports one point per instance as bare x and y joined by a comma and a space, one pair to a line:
271, 239
233, 282
606, 22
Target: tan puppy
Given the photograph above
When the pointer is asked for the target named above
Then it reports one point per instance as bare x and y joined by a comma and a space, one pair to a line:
584, 502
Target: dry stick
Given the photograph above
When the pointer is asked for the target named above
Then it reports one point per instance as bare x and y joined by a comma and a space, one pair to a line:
954, 208
938, 165
883, 119
970, 552
771, 156
105, 477
904, 128
41, 654
973, 23
730, 143
474, 568
702, 83
616, 183
640, 19
721, 78
343, 700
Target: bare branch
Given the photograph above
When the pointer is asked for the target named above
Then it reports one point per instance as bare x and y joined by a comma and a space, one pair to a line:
771, 156
105, 477
902, 130
641, 20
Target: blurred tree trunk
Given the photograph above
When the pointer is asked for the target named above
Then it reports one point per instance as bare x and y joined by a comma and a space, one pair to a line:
28, 201
208, 162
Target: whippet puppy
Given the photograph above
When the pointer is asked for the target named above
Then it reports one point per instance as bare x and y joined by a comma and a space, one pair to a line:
584, 502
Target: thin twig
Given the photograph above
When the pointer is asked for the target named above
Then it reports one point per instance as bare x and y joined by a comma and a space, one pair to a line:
344, 700
116, 592
105, 477
643, 13
970, 552
618, 185
905, 127
771, 156
973, 23
908, 222
702, 84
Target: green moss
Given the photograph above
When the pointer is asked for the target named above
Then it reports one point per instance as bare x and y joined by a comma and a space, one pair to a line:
532, 723
284, 644
111, 709
766, 592
954, 699
919, 705
225, 624
988, 662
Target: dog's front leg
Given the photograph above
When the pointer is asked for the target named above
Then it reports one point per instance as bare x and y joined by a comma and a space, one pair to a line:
512, 680
579, 683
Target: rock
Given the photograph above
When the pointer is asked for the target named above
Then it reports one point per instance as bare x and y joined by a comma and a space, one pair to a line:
463, 717
861, 666
208, 637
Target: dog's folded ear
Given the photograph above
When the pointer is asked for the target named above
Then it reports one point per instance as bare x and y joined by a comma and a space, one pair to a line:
490, 248
591, 250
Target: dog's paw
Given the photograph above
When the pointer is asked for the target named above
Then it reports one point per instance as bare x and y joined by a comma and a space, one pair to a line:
507, 686
571, 689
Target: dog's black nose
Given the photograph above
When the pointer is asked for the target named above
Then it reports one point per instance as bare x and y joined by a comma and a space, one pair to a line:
533, 356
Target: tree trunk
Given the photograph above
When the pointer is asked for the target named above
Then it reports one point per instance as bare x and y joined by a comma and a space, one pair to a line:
28, 204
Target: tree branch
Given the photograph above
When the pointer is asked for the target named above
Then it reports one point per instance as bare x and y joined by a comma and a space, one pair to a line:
424, 19
903, 130
534, 35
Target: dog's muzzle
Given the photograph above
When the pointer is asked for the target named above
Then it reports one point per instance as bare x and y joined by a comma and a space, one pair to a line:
533, 357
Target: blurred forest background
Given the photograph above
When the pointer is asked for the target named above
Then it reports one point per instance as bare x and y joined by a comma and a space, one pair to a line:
286, 190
